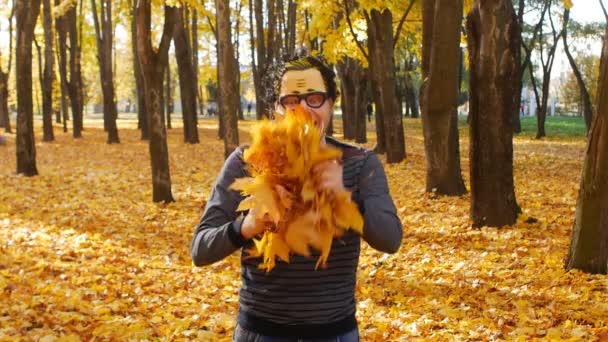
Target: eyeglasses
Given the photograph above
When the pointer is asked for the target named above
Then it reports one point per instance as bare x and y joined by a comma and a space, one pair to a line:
313, 100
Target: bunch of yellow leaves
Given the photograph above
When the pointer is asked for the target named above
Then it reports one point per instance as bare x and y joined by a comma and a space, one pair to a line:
280, 161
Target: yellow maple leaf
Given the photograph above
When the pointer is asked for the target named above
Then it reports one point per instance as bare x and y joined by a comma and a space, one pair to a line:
280, 161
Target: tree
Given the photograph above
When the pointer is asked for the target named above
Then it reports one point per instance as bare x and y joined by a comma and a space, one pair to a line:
4, 76
440, 98
382, 71
353, 78
153, 62
264, 54
62, 60
183, 55
380, 58
168, 99
104, 57
584, 93
142, 115
49, 75
526, 63
589, 241
228, 87
549, 43
570, 94
494, 55
27, 14
74, 85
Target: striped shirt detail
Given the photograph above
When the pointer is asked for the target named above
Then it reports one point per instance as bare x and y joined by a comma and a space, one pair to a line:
296, 293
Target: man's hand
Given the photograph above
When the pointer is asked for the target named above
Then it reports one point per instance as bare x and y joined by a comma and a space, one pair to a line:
328, 176
253, 226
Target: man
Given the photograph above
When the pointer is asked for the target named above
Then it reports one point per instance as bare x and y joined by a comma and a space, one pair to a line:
295, 302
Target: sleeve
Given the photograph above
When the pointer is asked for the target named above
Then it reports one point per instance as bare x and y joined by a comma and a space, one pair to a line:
219, 232
382, 228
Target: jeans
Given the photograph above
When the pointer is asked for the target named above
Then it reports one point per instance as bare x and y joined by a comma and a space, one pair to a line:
242, 335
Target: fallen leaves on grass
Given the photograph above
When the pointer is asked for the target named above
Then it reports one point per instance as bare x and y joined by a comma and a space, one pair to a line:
85, 255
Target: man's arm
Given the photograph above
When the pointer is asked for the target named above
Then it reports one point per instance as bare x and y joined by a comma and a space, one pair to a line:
219, 232
382, 228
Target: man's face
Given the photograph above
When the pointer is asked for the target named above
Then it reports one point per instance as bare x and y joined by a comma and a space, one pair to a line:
306, 88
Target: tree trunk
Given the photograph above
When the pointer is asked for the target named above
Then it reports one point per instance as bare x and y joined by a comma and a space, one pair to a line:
237, 68
104, 57
168, 100
27, 14
352, 76
541, 113
75, 83
440, 102
291, 27
347, 103
197, 89
5, 120
49, 74
228, 88
494, 52
254, 67
262, 106
153, 63
361, 107
589, 242
4, 113
183, 56
380, 33
585, 98
410, 95
142, 116
60, 28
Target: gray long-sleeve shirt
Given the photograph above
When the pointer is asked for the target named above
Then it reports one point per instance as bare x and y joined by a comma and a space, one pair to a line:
295, 293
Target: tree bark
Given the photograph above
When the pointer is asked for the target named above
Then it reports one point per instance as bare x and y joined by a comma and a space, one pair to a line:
49, 74
254, 67
347, 104
187, 86
589, 241
291, 27
198, 89
380, 33
585, 98
104, 57
61, 29
153, 63
75, 82
352, 76
5, 120
4, 113
228, 88
142, 116
168, 100
237, 68
494, 52
440, 101
262, 106
547, 66
27, 14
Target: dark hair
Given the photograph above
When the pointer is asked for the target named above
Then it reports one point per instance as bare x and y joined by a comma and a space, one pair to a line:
300, 61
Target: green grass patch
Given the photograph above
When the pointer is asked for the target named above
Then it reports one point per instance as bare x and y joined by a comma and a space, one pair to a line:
555, 126
560, 126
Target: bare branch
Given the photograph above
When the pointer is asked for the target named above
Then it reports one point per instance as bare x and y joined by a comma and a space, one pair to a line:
350, 25
407, 11
604, 10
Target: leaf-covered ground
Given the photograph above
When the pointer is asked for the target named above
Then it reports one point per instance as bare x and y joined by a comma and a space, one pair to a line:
86, 255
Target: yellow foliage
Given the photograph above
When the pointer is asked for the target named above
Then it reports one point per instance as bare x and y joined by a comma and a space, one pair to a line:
280, 160
84, 251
